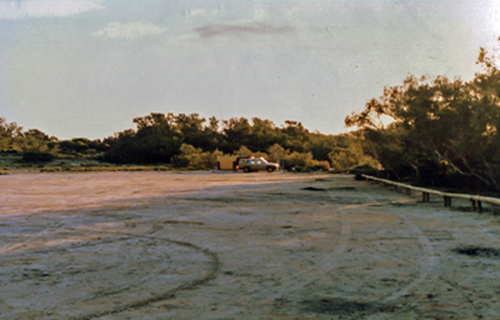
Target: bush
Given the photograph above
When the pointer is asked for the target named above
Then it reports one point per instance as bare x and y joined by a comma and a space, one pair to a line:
163, 168
319, 166
296, 161
102, 147
366, 169
430, 173
51, 169
9, 151
37, 157
179, 161
194, 158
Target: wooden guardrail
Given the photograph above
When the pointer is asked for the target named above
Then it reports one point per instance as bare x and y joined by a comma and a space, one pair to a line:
476, 201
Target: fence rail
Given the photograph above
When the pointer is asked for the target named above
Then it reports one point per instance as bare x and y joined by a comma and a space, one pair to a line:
476, 201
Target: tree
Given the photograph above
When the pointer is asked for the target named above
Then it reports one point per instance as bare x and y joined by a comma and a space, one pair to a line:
236, 134
264, 134
295, 136
446, 127
190, 128
160, 138
9, 132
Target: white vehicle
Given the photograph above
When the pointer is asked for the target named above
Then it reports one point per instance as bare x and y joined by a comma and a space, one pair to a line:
252, 164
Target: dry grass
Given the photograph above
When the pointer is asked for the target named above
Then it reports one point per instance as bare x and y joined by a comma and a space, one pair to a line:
102, 168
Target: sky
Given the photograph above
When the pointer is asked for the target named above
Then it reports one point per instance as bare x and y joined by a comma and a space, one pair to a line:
87, 68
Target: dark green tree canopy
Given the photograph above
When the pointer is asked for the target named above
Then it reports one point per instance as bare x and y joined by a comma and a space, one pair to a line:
441, 129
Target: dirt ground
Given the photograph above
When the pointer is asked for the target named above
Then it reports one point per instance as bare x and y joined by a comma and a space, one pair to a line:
164, 245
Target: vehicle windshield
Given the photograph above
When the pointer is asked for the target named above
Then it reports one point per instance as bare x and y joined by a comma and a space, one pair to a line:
259, 161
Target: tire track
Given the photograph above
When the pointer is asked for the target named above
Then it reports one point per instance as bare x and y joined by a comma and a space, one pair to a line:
345, 234
427, 266
170, 294
341, 244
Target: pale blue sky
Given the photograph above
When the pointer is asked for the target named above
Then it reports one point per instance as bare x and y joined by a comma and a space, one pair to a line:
86, 68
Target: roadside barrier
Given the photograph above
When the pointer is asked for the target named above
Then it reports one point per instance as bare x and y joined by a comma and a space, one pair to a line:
476, 201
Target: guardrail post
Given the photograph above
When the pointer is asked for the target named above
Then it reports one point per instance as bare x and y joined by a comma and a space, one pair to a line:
473, 204
447, 201
408, 191
479, 207
425, 197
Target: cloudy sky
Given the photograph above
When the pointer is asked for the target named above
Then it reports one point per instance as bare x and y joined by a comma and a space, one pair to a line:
86, 68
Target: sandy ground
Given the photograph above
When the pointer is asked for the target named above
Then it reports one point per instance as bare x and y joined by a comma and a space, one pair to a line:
155, 245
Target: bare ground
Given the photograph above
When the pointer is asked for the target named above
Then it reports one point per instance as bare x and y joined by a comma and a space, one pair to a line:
154, 245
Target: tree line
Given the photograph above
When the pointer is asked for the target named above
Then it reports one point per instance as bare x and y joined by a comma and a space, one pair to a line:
192, 141
36, 146
171, 138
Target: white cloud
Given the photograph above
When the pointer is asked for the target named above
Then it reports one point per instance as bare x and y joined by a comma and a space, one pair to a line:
130, 31
260, 14
15, 9
200, 14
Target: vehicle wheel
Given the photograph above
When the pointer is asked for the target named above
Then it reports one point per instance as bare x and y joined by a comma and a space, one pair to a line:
270, 169
246, 169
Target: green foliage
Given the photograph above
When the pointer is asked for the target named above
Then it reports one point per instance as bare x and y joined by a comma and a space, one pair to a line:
156, 140
366, 169
37, 157
441, 129
342, 159
81, 145
31, 144
243, 152
296, 159
9, 132
195, 158
348, 154
315, 165
277, 153
187, 141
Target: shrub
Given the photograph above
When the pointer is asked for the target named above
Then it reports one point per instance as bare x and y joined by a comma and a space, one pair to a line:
319, 166
297, 162
9, 151
194, 158
51, 169
277, 153
367, 169
37, 157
